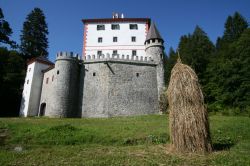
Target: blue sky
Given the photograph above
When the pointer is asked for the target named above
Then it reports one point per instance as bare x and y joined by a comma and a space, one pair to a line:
173, 18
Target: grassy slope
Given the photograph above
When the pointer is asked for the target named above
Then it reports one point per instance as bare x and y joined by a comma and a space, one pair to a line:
141, 140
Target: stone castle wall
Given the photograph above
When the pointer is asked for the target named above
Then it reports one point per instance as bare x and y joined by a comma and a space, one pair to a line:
118, 87
100, 86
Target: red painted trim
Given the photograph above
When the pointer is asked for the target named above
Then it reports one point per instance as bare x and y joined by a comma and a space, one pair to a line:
114, 45
109, 20
115, 49
84, 40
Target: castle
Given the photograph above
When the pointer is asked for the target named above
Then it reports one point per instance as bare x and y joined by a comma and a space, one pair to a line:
120, 73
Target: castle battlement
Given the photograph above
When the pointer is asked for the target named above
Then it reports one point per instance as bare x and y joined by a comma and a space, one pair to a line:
117, 57
67, 56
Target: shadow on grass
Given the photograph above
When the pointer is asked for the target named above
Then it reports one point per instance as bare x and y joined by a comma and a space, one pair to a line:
222, 146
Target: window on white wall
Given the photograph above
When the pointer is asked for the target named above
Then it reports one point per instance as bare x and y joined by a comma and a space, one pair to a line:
115, 39
99, 52
115, 26
99, 39
27, 81
133, 39
133, 26
133, 52
114, 52
100, 27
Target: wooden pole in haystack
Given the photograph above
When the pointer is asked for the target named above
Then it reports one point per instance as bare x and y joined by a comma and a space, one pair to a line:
188, 118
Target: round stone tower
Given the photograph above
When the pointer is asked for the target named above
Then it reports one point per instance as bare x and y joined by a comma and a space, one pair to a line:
66, 87
154, 48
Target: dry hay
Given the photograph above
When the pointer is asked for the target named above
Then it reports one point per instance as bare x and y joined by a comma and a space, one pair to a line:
189, 126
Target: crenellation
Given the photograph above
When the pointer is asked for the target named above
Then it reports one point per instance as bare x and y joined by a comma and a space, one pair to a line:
118, 57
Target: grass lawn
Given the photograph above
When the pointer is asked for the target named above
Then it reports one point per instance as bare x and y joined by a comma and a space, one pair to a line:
141, 140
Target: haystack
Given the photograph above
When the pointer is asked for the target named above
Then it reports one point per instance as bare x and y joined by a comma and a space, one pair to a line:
189, 126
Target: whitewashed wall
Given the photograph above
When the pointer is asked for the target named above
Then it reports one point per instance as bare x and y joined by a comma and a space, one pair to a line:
124, 45
32, 90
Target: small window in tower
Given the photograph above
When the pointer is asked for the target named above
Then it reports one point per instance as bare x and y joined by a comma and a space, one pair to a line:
133, 39
29, 69
52, 78
115, 26
57, 72
99, 52
94, 74
153, 40
47, 80
99, 39
100, 27
133, 52
137, 74
133, 26
114, 39
115, 52
27, 81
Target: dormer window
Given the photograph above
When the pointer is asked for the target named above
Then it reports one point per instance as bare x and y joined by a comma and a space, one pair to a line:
133, 26
115, 26
100, 27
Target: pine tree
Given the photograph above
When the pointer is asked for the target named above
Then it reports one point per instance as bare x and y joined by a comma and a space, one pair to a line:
196, 50
169, 64
234, 27
5, 31
34, 41
228, 71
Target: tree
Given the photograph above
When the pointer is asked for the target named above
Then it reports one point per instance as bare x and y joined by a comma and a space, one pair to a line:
34, 41
196, 50
228, 71
12, 72
169, 64
229, 78
5, 31
234, 27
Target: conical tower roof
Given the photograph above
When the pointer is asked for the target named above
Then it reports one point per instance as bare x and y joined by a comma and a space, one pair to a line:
153, 33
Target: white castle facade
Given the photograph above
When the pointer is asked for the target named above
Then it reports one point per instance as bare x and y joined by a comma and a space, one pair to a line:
119, 74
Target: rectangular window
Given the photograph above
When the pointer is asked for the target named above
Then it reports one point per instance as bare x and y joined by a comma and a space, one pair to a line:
99, 52
114, 52
115, 26
47, 80
114, 39
52, 78
29, 69
133, 39
27, 81
99, 39
133, 26
133, 52
100, 27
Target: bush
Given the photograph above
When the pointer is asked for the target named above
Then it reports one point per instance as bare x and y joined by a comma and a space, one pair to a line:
163, 102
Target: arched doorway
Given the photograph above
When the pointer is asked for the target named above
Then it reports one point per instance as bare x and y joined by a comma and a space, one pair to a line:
42, 109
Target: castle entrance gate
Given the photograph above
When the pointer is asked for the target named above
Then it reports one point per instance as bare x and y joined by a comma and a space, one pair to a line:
42, 109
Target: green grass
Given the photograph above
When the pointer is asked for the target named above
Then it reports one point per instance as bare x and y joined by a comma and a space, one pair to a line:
141, 140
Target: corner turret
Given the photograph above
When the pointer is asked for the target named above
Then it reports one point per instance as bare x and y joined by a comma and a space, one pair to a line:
154, 48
